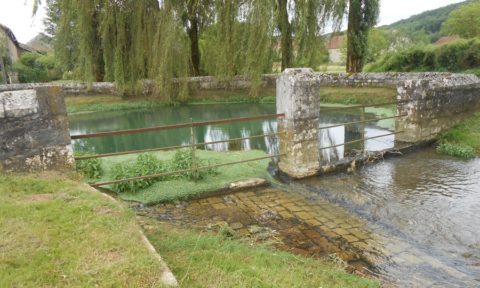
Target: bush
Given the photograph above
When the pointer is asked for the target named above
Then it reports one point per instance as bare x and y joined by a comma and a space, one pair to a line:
456, 150
459, 56
35, 67
90, 168
146, 164
183, 160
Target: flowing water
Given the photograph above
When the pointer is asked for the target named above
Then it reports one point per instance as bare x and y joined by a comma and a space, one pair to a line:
427, 207
420, 212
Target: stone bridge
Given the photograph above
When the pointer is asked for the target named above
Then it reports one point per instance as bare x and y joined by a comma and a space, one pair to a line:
432, 102
34, 125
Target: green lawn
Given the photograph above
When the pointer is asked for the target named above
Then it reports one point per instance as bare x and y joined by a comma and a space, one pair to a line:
463, 137
335, 95
357, 95
57, 232
205, 260
182, 189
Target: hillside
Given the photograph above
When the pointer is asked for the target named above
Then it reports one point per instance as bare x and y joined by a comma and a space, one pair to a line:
428, 23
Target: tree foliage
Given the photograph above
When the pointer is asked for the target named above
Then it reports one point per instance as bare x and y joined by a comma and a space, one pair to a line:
464, 21
362, 16
127, 41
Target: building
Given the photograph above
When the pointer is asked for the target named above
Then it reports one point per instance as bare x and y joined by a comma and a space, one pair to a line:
14, 51
334, 46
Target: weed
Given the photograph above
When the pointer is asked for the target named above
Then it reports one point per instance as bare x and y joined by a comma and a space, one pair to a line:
90, 168
146, 164
456, 150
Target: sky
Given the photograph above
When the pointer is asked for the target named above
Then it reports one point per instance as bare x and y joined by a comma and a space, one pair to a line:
17, 14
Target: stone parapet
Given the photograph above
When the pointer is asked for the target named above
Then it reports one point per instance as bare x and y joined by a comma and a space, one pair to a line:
298, 98
34, 133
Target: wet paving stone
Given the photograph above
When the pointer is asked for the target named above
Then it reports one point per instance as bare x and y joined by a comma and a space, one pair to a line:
306, 226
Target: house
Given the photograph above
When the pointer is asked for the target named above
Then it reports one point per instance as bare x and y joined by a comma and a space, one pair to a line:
334, 46
13, 50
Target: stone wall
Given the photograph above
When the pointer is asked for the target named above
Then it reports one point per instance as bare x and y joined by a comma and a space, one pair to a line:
34, 131
204, 83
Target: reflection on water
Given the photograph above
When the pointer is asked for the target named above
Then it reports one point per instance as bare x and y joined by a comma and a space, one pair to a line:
111, 121
431, 203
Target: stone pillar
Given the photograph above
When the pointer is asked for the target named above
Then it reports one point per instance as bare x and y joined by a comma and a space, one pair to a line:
34, 132
298, 97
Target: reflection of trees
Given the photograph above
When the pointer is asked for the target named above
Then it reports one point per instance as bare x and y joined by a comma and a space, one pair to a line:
213, 134
330, 137
271, 142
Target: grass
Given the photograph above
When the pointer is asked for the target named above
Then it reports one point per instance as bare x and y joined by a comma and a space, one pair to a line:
106, 103
84, 104
335, 95
56, 232
357, 95
205, 260
462, 140
183, 189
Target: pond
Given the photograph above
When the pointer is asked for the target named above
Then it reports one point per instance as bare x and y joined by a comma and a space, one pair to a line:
120, 120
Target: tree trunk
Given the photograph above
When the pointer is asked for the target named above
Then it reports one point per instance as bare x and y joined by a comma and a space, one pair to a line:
354, 61
193, 32
194, 46
4, 71
286, 34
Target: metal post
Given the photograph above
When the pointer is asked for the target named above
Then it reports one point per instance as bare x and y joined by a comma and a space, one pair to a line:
362, 127
194, 148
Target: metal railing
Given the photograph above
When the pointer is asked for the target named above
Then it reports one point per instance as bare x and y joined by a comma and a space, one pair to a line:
363, 121
192, 146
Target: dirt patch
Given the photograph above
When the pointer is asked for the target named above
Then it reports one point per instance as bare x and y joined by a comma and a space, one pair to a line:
40, 198
105, 210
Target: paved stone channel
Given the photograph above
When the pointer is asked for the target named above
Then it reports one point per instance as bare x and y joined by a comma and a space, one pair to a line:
302, 223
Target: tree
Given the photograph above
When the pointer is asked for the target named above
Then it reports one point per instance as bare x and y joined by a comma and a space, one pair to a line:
195, 16
300, 23
464, 21
52, 17
362, 15
378, 44
3, 56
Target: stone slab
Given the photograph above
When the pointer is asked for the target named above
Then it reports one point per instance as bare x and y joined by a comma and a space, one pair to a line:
19, 103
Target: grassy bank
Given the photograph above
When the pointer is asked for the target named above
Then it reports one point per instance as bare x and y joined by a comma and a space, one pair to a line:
462, 140
357, 95
183, 188
56, 232
205, 260
335, 95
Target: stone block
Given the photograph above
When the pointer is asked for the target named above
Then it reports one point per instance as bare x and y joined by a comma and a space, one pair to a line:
19, 103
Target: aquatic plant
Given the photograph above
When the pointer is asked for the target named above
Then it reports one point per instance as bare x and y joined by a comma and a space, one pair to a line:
456, 150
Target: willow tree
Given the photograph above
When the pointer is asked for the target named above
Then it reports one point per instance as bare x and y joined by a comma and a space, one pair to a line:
195, 15
362, 16
299, 23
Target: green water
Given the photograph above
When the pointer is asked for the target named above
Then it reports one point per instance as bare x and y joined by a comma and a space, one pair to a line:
120, 120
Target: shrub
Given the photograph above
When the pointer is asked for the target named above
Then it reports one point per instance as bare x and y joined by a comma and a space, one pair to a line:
183, 160
90, 168
35, 67
461, 55
456, 150
146, 164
